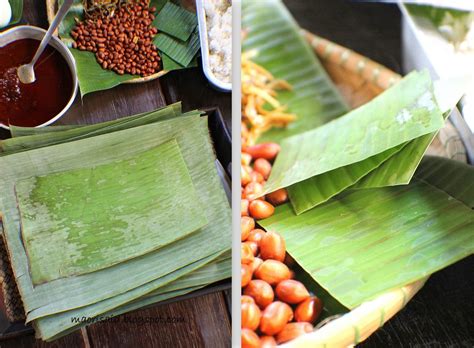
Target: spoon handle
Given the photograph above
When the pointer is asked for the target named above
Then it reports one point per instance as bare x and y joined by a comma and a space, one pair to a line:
52, 28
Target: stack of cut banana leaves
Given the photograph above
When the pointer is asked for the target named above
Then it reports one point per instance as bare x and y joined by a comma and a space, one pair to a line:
103, 219
368, 212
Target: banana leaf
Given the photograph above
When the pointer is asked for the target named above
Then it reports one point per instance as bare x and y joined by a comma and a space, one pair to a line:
449, 176
45, 138
392, 167
50, 326
411, 231
65, 294
17, 11
88, 219
275, 37
90, 74
18, 131
175, 21
405, 112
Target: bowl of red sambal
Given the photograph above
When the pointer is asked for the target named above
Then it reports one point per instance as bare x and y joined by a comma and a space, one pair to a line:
44, 101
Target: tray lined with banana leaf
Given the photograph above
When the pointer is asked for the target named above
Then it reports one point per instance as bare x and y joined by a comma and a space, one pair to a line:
368, 217
115, 216
131, 41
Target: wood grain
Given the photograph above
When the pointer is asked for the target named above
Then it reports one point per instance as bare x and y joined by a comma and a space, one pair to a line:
195, 326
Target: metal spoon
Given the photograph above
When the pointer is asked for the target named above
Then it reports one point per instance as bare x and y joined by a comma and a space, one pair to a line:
26, 73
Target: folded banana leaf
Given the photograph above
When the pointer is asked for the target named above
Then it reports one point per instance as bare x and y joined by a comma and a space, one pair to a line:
90, 74
275, 37
65, 294
88, 219
411, 231
320, 163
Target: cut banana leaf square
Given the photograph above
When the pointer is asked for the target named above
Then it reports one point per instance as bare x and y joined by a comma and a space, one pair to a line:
356, 144
87, 219
411, 231
176, 21
274, 36
79, 291
179, 51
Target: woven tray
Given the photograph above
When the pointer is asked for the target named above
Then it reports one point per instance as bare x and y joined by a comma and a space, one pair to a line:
360, 79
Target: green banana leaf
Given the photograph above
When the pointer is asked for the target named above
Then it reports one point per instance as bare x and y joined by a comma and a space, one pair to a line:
318, 189
52, 325
88, 219
43, 137
69, 293
452, 24
449, 176
90, 74
411, 231
176, 21
275, 37
392, 167
348, 144
17, 11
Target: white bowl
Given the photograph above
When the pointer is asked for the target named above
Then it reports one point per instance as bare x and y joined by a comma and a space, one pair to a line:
203, 37
30, 32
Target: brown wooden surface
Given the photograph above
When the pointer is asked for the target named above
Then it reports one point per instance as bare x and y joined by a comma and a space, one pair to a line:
206, 318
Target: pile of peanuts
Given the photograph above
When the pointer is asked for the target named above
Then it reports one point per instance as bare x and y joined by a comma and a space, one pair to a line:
123, 40
275, 308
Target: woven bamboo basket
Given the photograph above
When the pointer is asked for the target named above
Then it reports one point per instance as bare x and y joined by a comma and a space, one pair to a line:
360, 79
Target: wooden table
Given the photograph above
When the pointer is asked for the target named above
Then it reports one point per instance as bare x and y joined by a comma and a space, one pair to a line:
442, 313
201, 321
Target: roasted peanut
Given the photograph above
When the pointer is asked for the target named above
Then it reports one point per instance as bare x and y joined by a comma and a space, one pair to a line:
253, 190
291, 291
250, 316
247, 224
262, 166
246, 254
267, 342
253, 246
260, 291
244, 175
256, 235
249, 339
265, 150
274, 318
244, 207
259, 209
277, 197
272, 271
256, 177
246, 299
256, 263
272, 246
245, 274
293, 330
309, 310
